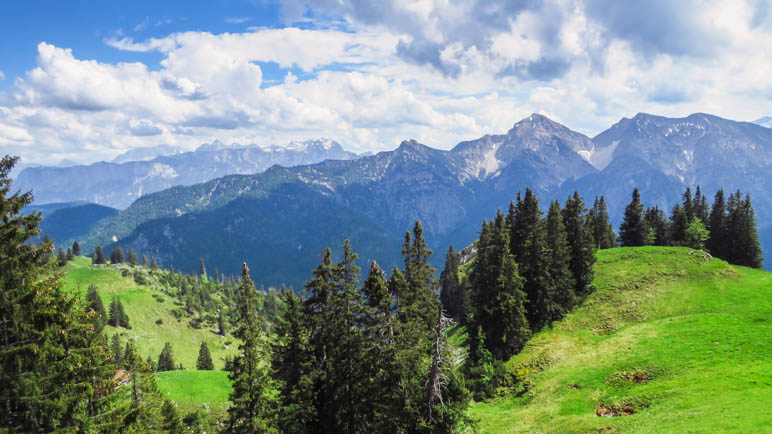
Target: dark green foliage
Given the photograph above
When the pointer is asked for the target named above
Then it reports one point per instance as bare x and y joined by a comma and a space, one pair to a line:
75, 248
166, 359
632, 231
61, 258
54, 368
580, 242
69, 254
481, 369
131, 257
528, 247
251, 400
679, 222
95, 303
451, 292
117, 351
419, 298
562, 283
600, 226
742, 235
717, 241
116, 256
204, 361
202, 268
700, 206
99, 256
657, 227
497, 293
118, 316
153, 263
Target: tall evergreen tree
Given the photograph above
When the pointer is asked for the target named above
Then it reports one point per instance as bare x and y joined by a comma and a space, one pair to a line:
204, 362
251, 400
580, 242
116, 256
450, 286
718, 244
99, 256
743, 247
69, 255
657, 227
679, 222
558, 251
75, 248
95, 303
61, 258
700, 206
688, 205
420, 299
632, 231
131, 257
117, 351
602, 231
153, 263
166, 359
144, 261
202, 268
55, 373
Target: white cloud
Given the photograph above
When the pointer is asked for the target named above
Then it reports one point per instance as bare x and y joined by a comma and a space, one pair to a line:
2, 75
237, 20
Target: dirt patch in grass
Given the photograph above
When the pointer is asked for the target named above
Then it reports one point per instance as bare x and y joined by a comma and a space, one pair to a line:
574, 387
614, 411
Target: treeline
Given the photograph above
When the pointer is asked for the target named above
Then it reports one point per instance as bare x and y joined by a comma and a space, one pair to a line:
727, 229
351, 357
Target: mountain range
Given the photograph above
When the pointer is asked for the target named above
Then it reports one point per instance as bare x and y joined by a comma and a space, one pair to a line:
119, 183
279, 220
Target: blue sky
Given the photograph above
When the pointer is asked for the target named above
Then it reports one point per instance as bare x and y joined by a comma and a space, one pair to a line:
87, 80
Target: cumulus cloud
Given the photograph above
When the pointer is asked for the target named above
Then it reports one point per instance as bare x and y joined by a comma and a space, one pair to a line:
434, 70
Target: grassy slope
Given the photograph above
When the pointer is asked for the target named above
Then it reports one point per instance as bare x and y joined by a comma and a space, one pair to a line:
193, 389
143, 311
700, 330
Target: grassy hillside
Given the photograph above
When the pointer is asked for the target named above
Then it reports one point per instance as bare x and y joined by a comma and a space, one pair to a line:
194, 390
144, 310
670, 340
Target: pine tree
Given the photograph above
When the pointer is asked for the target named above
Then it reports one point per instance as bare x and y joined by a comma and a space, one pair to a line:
132, 257
718, 244
688, 206
116, 256
144, 261
743, 247
153, 263
528, 231
679, 222
420, 299
61, 258
251, 400
657, 227
115, 344
602, 232
55, 373
580, 242
632, 231
700, 206
221, 327
114, 319
450, 286
95, 303
75, 248
202, 269
561, 281
69, 254
166, 359
171, 418
99, 256
204, 362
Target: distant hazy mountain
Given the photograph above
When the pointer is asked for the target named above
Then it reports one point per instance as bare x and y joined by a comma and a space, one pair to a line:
279, 220
766, 121
147, 153
119, 184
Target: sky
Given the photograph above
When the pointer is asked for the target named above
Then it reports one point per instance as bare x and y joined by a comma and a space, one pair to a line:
84, 81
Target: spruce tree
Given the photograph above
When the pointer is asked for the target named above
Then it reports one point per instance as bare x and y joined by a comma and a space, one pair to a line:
75, 248
743, 247
61, 258
420, 299
116, 256
657, 227
251, 400
450, 286
679, 222
144, 261
561, 281
95, 303
55, 373
700, 206
99, 256
202, 268
632, 231
602, 231
166, 359
204, 362
114, 318
132, 257
717, 240
153, 263
580, 242
117, 351
69, 254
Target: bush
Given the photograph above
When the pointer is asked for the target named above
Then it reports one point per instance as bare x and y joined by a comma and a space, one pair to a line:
159, 321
